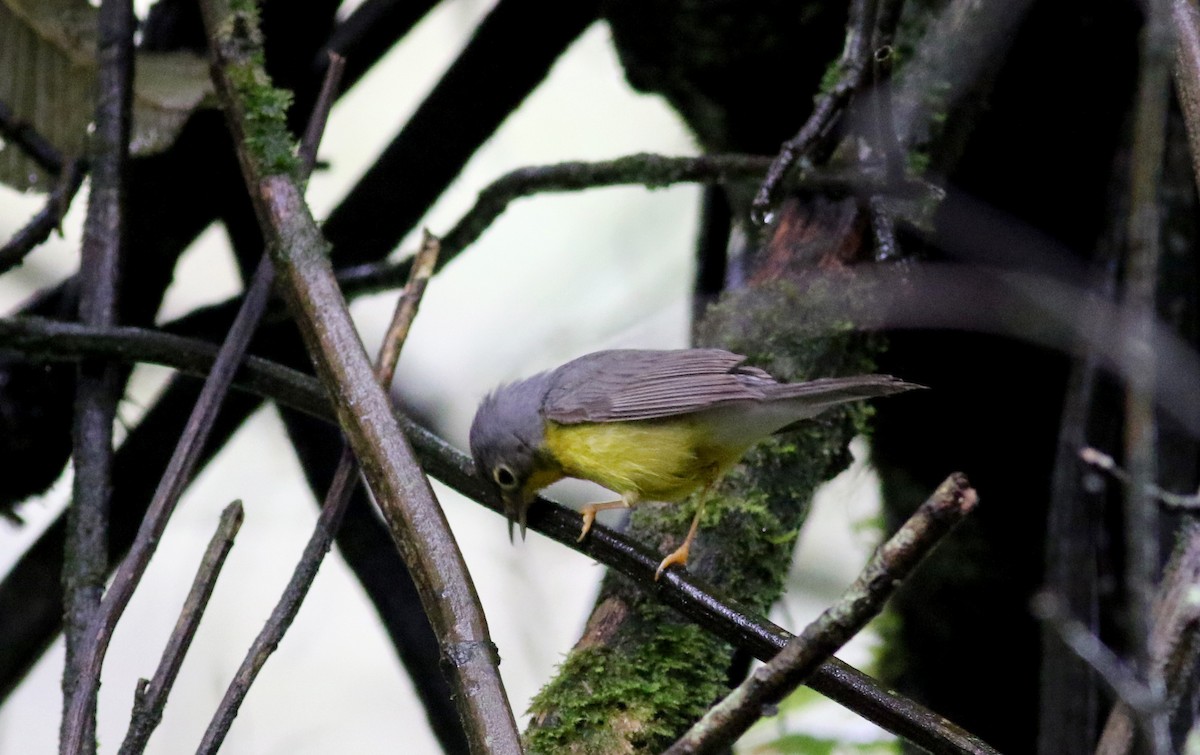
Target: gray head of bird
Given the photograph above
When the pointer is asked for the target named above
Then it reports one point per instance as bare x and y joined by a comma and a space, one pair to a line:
507, 437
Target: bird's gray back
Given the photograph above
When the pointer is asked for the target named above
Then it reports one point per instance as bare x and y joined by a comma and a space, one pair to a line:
639, 384
632, 385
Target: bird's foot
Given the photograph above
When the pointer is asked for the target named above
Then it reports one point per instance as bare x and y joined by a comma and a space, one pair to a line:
679, 556
589, 513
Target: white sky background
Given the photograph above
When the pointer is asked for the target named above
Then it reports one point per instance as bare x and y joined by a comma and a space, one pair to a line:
555, 277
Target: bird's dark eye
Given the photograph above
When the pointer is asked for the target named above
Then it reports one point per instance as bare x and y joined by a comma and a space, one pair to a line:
504, 477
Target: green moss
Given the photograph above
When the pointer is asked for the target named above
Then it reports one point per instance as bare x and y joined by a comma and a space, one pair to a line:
829, 79
268, 140
765, 499
267, 136
637, 694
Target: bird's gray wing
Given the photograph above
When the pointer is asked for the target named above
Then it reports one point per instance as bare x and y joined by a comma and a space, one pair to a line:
631, 384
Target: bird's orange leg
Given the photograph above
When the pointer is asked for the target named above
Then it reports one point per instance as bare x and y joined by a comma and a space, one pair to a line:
589, 512
680, 555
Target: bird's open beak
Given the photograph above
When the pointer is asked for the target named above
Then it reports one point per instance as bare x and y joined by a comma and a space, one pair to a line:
515, 508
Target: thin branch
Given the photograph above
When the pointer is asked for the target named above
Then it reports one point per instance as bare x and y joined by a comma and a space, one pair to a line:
1140, 291
722, 725
1116, 674
1101, 460
98, 383
315, 130
423, 267
28, 140
151, 696
334, 507
397, 483
40, 338
191, 443
369, 32
854, 66
650, 170
645, 169
1186, 16
49, 218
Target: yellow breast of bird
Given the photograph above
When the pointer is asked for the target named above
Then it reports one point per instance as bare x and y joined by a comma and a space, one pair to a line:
658, 460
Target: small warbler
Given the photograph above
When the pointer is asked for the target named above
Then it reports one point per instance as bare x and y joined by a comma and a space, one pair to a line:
647, 424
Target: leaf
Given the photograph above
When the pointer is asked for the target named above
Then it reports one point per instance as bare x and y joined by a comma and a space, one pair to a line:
48, 49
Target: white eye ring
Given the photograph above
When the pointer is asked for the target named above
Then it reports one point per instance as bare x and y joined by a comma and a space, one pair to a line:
504, 477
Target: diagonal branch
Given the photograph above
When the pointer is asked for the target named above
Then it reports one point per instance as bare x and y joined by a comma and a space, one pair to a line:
336, 500
50, 217
891, 564
397, 483
151, 696
853, 69
28, 140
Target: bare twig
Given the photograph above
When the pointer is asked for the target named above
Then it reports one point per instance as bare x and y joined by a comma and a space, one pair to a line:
892, 563
423, 266
50, 217
854, 66
187, 451
151, 696
97, 387
315, 130
49, 339
1118, 676
398, 485
33, 144
645, 169
1101, 460
372, 28
334, 507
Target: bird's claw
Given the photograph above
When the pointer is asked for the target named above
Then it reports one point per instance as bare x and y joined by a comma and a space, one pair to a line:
589, 516
679, 556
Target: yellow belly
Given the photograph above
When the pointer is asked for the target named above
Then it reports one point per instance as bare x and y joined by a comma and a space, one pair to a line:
655, 460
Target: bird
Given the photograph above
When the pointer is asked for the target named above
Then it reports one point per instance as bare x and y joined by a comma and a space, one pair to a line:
648, 424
